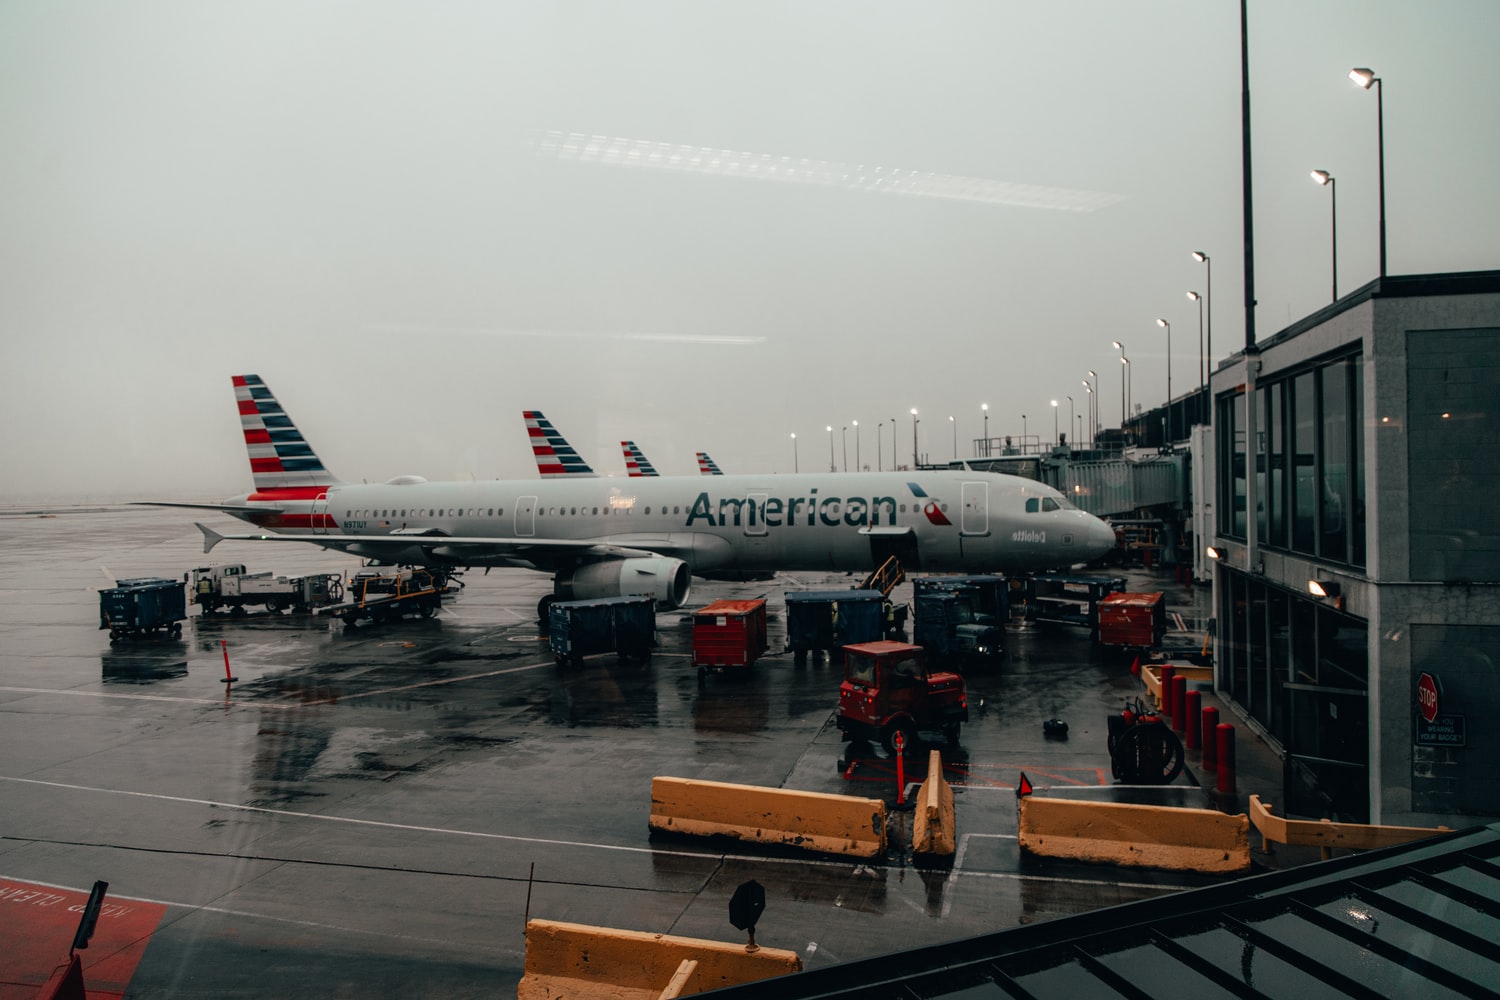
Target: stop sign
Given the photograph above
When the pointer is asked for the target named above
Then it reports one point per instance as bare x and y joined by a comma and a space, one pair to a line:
1427, 696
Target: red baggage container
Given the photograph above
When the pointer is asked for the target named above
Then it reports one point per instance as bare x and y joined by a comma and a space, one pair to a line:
728, 634
1133, 621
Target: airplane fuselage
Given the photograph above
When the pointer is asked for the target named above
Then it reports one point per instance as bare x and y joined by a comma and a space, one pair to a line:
944, 521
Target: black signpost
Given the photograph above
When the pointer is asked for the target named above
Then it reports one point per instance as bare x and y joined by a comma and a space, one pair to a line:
745, 908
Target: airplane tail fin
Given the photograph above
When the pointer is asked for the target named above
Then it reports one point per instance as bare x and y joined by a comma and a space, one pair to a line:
554, 456
280, 456
707, 466
636, 463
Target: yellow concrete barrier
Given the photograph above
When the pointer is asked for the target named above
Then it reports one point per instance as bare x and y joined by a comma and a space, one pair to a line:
1139, 836
1327, 834
578, 961
934, 831
816, 821
1151, 677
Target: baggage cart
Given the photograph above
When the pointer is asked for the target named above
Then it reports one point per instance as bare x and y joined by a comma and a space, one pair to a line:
145, 606
625, 626
1133, 620
824, 621
728, 633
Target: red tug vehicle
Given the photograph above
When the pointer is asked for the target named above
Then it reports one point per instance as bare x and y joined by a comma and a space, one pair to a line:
888, 689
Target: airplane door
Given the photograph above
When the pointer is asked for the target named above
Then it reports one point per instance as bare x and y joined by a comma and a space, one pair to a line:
755, 514
320, 514
975, 519
525, 517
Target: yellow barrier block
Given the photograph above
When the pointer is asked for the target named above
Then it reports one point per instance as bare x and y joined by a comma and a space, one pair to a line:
934, 831
817, 821
1327, 834
579, 961
1151, 677
1139, 836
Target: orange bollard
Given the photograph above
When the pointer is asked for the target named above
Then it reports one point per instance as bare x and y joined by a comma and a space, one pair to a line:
1210, 738
1167, 673
1194, 701
228, 677
1179, 703
1225, 733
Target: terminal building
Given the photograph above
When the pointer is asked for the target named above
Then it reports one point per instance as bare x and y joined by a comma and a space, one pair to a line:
1355, 469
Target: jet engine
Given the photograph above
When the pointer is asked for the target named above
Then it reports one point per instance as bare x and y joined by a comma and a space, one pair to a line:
665, 579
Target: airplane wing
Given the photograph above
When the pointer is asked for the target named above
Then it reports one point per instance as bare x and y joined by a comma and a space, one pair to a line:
419, 548
227, 508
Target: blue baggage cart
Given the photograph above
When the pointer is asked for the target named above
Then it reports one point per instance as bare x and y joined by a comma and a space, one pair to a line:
625, 626
824, 621
145, 606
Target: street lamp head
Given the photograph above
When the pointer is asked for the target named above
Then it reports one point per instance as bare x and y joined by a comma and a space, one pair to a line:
1200, 256
1093, 374
794, 435
1118, 344
984, 406
1054, 402
1164, 324
1322, 176
1193, 296
914, 411
1363, 77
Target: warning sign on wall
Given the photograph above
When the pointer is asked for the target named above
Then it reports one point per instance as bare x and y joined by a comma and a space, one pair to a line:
1442, 731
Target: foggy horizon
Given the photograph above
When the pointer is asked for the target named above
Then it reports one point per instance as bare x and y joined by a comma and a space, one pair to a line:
696, 227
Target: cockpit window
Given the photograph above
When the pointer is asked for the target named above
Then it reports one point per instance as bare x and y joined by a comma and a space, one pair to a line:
1050, 504
1033, 504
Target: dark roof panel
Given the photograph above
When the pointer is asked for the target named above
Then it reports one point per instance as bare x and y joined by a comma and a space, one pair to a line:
1417, 920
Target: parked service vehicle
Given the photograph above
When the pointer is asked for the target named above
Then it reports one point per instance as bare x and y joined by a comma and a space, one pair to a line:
230, 586
387, 594
142, 607
888, 689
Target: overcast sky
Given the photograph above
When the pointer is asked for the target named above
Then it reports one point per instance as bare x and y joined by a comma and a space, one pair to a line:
794, 215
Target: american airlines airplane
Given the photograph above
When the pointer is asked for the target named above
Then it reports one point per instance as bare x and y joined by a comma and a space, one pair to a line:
707, 466
637, 464
603, 537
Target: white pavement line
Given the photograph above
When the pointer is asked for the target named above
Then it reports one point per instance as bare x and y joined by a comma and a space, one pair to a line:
112, 694
439, 682
963, 849
224, 911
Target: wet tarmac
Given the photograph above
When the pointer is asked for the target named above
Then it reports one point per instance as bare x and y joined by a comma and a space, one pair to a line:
377, 810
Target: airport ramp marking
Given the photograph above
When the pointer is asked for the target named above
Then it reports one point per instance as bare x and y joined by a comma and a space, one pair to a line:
37, 922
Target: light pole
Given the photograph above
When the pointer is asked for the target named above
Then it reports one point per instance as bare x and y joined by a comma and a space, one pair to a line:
1094, 420
1202, 376
1208, 293
1090, 408
1168, 327
985, 409
955, 436
1326, 179
894, 464
1123, 363
857, 466
1363, 78
1129, 382
914, 422
832, 465
1070, 420
796, 466
1054, 424
879, 455
1023, 433
844, 436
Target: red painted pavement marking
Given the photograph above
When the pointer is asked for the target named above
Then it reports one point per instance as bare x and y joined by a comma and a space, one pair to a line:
37, 924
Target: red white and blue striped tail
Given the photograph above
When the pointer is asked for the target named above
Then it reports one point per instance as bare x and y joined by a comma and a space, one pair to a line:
280, 456
707, 466
635, 463
554, 456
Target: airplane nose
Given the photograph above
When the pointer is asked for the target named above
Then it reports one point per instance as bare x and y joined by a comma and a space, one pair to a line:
1101, 537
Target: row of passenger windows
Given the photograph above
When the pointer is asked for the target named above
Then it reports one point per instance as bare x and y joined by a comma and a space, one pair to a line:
833, 508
